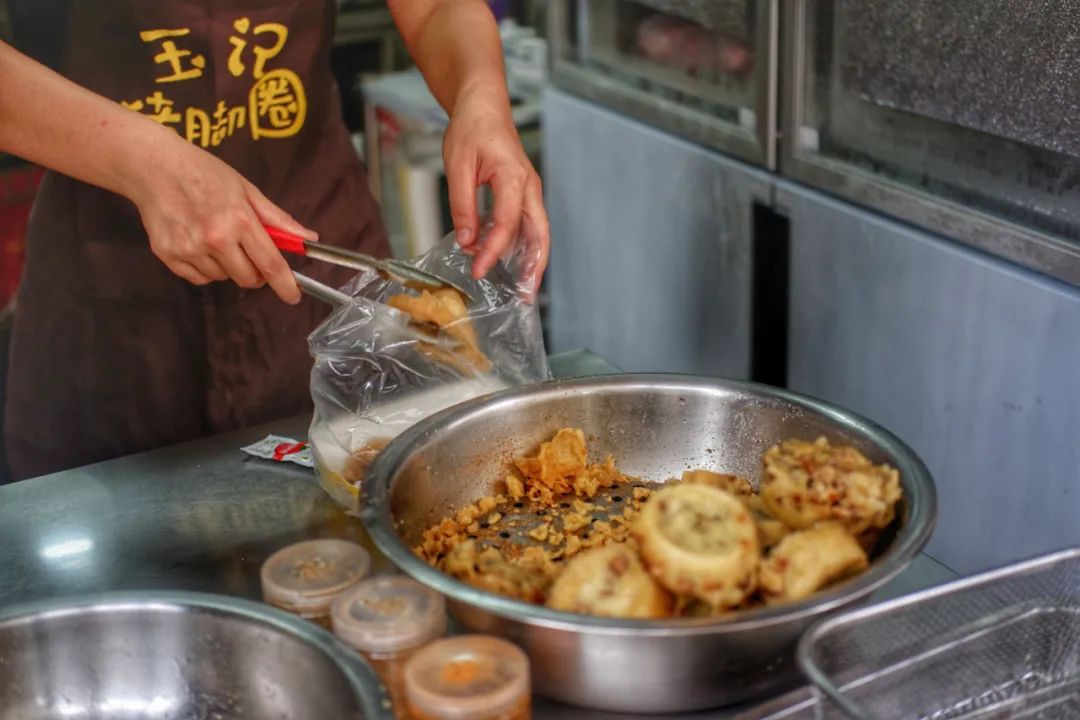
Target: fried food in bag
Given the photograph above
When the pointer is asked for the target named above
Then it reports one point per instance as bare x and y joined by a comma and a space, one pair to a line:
376, 374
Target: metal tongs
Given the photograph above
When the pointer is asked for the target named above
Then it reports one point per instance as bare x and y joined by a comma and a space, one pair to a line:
391, 269
330, 296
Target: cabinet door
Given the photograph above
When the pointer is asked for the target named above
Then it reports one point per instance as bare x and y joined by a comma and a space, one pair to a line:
651, 251
974, 362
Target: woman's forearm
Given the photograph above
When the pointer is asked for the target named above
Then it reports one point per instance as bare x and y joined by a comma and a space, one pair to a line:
203, 219
53, 122
456, 45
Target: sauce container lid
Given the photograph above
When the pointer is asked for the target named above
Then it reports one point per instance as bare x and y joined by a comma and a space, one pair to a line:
388, 614
467, 677
307, 576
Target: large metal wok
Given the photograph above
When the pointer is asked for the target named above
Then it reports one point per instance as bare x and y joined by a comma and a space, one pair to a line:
656, 426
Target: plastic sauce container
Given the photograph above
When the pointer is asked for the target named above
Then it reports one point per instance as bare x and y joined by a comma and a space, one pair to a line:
469, 677
305, 578
388, 619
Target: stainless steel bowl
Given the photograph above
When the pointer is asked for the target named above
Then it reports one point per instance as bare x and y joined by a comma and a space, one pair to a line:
177, 656
656, 426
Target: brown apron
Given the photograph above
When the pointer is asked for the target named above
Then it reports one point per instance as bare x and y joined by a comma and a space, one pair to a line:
111, 353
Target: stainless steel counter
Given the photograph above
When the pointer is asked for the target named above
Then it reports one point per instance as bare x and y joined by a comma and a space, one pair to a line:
203, 516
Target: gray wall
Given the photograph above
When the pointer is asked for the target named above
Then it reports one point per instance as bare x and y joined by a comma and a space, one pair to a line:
975, 363
650, 263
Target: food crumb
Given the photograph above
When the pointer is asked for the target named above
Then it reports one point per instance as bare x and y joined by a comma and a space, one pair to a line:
572, 522
581, 507
515, 487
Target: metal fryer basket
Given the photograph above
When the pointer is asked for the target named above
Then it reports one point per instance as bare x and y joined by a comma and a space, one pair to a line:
1003, 644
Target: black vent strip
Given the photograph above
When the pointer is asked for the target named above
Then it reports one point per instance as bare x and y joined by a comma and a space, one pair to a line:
770, 296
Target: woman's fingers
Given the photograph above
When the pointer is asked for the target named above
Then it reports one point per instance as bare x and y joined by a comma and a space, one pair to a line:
210, 268
461, 177
270, 264
508, 188
537, 235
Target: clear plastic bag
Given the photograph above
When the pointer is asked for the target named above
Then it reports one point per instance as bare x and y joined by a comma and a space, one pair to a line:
373, 377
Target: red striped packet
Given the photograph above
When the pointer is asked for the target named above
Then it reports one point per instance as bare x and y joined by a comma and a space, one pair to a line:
281, 449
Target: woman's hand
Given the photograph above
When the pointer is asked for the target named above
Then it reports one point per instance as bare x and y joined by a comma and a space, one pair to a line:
482, 147
205, 222
203, 218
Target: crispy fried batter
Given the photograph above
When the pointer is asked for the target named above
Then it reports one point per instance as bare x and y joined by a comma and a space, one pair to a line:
699, 540
487, 569
770, 530
561, 467
806, 483
609, 581
807, 560
445, 311
521, 550
514, 487
733, 484
557, 464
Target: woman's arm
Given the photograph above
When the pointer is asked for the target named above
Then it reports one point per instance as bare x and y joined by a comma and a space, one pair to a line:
202, 217
456, 45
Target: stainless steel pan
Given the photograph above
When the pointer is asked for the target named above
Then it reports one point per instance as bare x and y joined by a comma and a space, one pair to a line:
656, 426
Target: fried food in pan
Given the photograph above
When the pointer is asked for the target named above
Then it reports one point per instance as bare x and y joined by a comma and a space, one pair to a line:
560, 467
740, 487
557, 463
487, 569
704, 547
806, 483
609, 581
808, 560
770, 530
700, 541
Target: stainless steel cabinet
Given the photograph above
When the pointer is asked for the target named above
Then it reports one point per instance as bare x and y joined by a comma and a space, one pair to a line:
704, 69
974, 362
959, 117
651, 243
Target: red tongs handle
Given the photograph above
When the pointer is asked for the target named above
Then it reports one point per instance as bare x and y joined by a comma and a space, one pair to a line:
287, 241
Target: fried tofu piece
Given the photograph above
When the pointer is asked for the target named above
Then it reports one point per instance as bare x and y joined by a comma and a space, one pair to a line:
808, 560
445, 311
770, 530
700, 541
609, 582
806, 483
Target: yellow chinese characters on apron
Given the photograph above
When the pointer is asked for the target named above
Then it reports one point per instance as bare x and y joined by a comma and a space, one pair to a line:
112, 354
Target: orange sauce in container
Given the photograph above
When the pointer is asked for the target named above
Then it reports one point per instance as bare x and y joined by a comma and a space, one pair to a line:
469, 677
387, 620
304, 578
